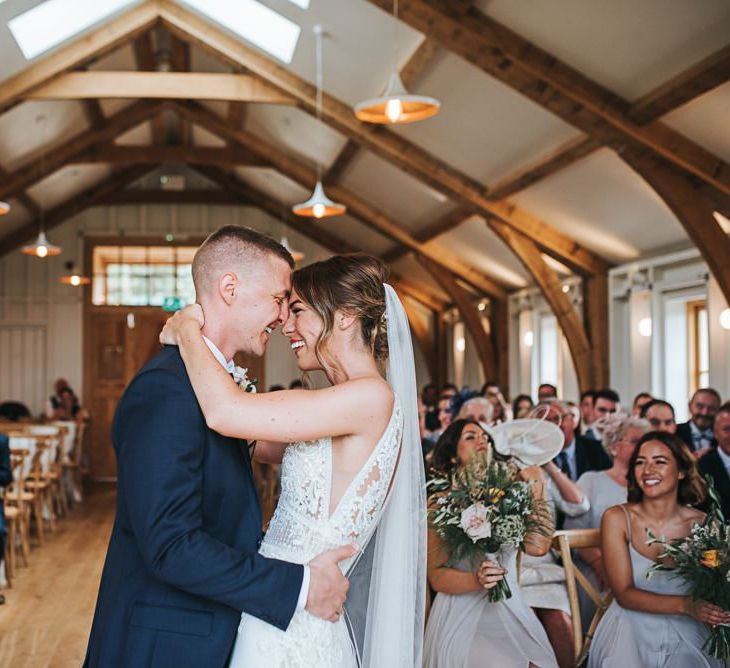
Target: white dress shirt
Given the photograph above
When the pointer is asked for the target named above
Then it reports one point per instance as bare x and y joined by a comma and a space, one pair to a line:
229, 365
572, 465
701, 439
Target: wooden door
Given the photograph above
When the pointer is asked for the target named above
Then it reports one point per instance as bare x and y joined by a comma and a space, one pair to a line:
120, 341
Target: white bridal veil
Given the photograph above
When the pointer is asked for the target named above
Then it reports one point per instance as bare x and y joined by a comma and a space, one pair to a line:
386, 603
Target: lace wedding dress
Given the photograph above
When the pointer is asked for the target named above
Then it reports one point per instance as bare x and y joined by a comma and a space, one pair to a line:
303, 527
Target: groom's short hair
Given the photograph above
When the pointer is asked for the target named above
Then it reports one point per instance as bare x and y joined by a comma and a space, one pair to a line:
229, 246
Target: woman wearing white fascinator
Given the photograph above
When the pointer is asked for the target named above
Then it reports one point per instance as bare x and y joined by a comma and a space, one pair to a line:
536, 442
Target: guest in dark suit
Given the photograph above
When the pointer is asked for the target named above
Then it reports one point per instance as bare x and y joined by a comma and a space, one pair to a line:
6, 477
716, 463
183, 559
579, 454
697, 432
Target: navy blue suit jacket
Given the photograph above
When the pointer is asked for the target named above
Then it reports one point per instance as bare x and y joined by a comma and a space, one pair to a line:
711, 464
183, 557
590, 456
684, 431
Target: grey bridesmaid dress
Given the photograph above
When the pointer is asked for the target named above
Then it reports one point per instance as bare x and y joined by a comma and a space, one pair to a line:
467, 631
633, 639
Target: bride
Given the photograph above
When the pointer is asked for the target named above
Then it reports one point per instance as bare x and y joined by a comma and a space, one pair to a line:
351, 464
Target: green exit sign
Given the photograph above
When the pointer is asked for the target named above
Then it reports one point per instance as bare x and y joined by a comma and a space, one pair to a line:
171, 304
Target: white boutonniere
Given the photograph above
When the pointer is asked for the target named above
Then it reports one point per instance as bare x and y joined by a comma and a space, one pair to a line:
243, 381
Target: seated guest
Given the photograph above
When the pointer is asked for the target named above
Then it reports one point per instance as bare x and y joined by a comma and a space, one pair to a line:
546, 392
542, 579
6, 477
69, 408
522, 405
448, 390
579, 454
716, 463
653, 622
660, 415
478, 409
276, 388
464, 628
697, 431
604, 402
296, 384
429, 395
14, 411
53, 403
502, 410
586, 410
620, 434
640, 400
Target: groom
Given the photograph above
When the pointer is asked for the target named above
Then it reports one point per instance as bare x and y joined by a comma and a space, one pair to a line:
183, 559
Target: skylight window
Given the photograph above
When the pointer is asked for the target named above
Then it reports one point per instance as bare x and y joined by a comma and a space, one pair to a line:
256, 23
54, 21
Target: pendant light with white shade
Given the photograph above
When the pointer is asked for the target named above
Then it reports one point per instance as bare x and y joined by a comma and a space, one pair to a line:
4, 208
319, 205
396, 104
41, 247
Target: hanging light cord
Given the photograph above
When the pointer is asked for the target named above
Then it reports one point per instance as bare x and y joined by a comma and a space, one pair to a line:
42, 119
395, 35
320, 85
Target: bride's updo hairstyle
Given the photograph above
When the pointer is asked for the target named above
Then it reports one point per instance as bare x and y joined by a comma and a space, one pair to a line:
352, 284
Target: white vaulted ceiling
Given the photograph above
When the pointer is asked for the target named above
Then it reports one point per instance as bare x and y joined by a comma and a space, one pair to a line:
486, 130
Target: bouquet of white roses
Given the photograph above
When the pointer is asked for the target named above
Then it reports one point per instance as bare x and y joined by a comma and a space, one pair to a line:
481, 508
703, 560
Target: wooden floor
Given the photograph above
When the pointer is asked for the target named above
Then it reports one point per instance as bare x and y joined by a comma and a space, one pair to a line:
47, 616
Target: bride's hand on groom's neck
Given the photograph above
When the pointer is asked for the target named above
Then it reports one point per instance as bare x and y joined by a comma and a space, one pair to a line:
191, 316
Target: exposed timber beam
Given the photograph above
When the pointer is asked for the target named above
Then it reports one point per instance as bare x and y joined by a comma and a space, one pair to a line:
422, 57
423, 294
531, 257
702, 77
224, 156
543, 78
394, 148
65, 153
693, 210
136, 196
108, 36
146, 60
180, 61
595, 321
470, 315
75, 205
420, 331
306, 176
24, 198
159, 85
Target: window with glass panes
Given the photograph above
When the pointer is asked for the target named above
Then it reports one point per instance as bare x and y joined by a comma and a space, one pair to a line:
143, 275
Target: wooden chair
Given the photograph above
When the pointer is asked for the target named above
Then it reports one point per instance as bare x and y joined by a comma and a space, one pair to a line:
39, 486
71, 466
16, 497
564, 542
12, 515
54, 473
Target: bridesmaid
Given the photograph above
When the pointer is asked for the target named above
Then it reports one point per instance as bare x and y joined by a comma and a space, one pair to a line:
466, 630
652, 622
619, 435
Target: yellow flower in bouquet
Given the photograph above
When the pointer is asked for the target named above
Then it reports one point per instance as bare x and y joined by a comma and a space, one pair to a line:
495, 494
710, 558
